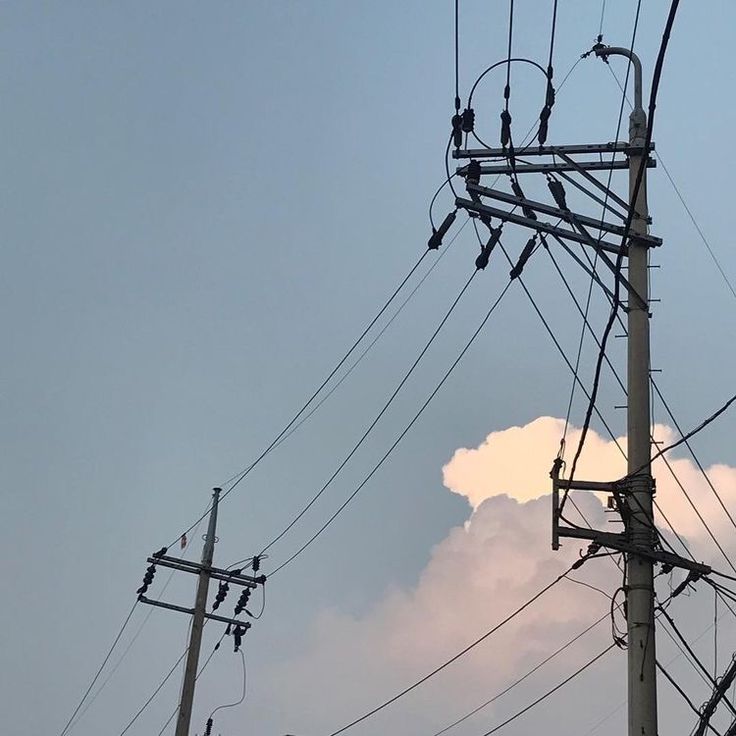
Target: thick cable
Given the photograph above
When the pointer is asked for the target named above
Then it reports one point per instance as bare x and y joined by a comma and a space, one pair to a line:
242, 697
619, 260
455, 657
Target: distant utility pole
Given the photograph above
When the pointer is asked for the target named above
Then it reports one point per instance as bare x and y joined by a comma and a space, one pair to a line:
632, 496
205, 572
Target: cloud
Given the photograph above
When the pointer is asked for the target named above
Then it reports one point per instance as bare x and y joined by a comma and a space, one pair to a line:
474, 578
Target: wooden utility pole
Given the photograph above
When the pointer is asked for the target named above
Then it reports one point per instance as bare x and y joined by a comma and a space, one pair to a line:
195, 637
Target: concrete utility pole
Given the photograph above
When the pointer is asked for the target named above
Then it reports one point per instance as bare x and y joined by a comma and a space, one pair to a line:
642, 670
195, 638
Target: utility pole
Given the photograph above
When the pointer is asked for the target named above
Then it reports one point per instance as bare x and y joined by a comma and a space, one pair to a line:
195, 637
642, 668
631, 497
205, 572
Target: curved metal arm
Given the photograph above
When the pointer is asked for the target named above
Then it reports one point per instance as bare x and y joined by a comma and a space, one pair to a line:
605, 51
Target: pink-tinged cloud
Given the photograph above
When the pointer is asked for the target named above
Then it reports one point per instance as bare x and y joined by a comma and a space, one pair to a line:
476, 576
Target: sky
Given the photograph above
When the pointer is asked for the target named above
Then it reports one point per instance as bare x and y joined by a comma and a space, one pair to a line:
203, 206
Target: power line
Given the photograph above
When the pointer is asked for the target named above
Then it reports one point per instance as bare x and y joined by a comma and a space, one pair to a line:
528, 674
684, 696
377, 418
457, 656
553, 690
238, 477
401, 436
689, 212
101, 667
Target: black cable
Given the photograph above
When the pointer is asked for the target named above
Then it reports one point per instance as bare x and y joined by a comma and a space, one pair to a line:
538, 666
551, 691
457, 56
684, 696
708, 678
455, 657
692, 453
154, 693
695, 430
401, 436
507, 90
687, 209
627, 227
375, 421
100, 668
236, 479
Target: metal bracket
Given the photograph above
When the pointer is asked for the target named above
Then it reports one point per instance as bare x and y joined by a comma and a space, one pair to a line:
190, 611
229, 576
617, 147
609, 539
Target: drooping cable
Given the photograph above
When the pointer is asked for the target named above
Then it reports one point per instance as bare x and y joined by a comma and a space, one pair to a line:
375, 421
401, 436
243, 694
461, 653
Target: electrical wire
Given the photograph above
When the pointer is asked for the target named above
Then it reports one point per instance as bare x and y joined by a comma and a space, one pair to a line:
528, 674
100, 668
242, 697
457, 656
687, 209
684, 696
238, 477
378, 336
401, 436
197, 676
375, 421
553, 690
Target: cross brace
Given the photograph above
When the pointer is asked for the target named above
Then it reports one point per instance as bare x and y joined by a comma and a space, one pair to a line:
524, 168
609, 539
618, 147
190, 611
247, 581
565, 215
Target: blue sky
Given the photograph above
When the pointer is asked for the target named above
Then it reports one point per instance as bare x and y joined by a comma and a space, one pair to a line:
203, 204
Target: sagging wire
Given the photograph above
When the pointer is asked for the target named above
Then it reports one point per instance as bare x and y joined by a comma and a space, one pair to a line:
210, 719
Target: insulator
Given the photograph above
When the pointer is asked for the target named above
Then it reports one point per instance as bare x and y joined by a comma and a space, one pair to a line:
457, 130
147, 579
238, 632
242, 601
482, 260
208, 728
472, 173
468, 120
256, 563
523, 258
550, 96
505, 128
558, 192
436, 240
160, 553
519, 192
220, 597
543, 124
